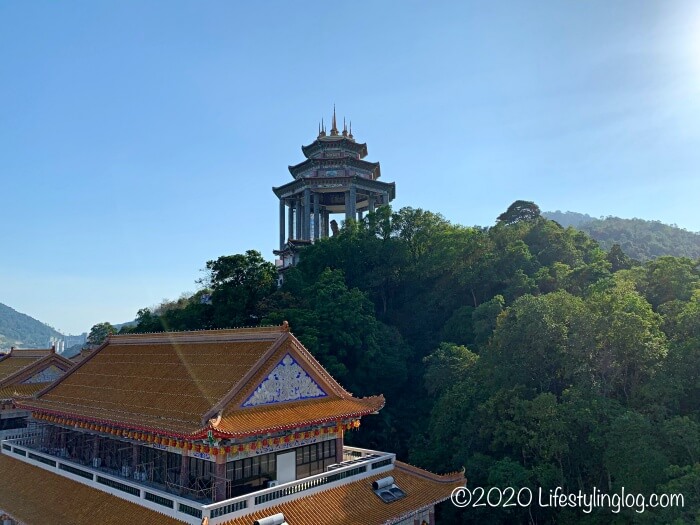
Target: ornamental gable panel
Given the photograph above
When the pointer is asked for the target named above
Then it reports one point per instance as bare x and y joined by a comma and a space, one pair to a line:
288, 381
47, 375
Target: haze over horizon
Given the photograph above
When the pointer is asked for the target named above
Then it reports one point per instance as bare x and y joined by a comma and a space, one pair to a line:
139, 141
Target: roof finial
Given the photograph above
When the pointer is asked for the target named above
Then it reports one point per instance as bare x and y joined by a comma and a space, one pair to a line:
334, 128
350, 134
345, 128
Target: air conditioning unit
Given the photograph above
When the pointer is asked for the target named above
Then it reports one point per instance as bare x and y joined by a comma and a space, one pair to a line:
272, 483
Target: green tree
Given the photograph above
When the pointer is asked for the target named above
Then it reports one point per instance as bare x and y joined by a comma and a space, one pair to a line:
239, 283
520, 211
98, 334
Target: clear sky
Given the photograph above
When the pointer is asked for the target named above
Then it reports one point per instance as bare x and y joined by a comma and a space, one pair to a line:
140, 139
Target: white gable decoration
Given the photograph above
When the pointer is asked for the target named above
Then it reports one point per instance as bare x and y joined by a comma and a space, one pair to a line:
287, 382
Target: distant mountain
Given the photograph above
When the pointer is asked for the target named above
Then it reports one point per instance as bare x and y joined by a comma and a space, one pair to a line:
21, 330
638, 238
568, 218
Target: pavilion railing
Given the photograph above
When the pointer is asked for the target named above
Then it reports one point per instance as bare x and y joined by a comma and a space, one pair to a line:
358, 464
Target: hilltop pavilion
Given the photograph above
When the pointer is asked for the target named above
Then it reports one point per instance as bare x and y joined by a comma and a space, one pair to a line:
334, 179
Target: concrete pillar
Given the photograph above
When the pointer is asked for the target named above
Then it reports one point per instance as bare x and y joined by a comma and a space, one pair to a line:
282, 234
385, 198
353, 201
326, 223
134, 456
299, 213
359, 216
307, 214
219, 485
431, 515
317, 217
96, 447
290, 220
184, 470
371, 203
339, 448
348, 213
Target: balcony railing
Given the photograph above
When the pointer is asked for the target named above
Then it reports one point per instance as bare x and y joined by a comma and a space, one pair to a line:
358, 464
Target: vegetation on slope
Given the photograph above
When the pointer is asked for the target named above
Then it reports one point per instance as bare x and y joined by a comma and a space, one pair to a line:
640, 239
524, 351
18, 329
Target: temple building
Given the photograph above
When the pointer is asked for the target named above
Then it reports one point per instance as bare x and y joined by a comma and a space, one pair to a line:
334, 179
239, 427
23, 373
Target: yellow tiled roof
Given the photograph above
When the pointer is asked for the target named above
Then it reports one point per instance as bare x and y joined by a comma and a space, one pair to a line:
174, 383
282, 416
10, 364
37, 497
356, 504
17, 391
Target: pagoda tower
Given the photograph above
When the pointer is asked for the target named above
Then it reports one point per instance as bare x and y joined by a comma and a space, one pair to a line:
334, 179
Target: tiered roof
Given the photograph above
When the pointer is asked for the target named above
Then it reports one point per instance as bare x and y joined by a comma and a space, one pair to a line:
24, 372
187, 383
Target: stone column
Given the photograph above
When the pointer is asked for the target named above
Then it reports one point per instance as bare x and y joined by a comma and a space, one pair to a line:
431, 515
282, 235
385, 198
317, 217
326, 223
359, 216
307, 214
299, 213
290, 220
371, 203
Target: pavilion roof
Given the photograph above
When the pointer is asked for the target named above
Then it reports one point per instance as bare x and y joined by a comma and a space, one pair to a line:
186, 383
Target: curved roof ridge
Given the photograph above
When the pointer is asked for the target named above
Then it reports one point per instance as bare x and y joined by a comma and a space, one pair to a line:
450, 477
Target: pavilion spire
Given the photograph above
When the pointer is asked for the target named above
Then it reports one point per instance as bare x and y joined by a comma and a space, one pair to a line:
334, 128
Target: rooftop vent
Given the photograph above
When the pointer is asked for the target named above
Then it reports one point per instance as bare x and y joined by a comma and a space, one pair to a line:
275, 519
387, 490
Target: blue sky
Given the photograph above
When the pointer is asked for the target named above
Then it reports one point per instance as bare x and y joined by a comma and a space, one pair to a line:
140, 139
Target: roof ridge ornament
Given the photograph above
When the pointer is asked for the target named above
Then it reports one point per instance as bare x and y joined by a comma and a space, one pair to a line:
334, 128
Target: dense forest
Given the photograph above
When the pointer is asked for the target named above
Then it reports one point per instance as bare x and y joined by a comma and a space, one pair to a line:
524, 352
640, 239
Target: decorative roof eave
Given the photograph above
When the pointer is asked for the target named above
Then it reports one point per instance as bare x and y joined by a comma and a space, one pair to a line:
107, 422
360, 148
375, 403
372, 167
298, 185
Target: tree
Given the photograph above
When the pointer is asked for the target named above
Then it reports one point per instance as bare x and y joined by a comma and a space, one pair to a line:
239, 283
98, 334
519, 211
